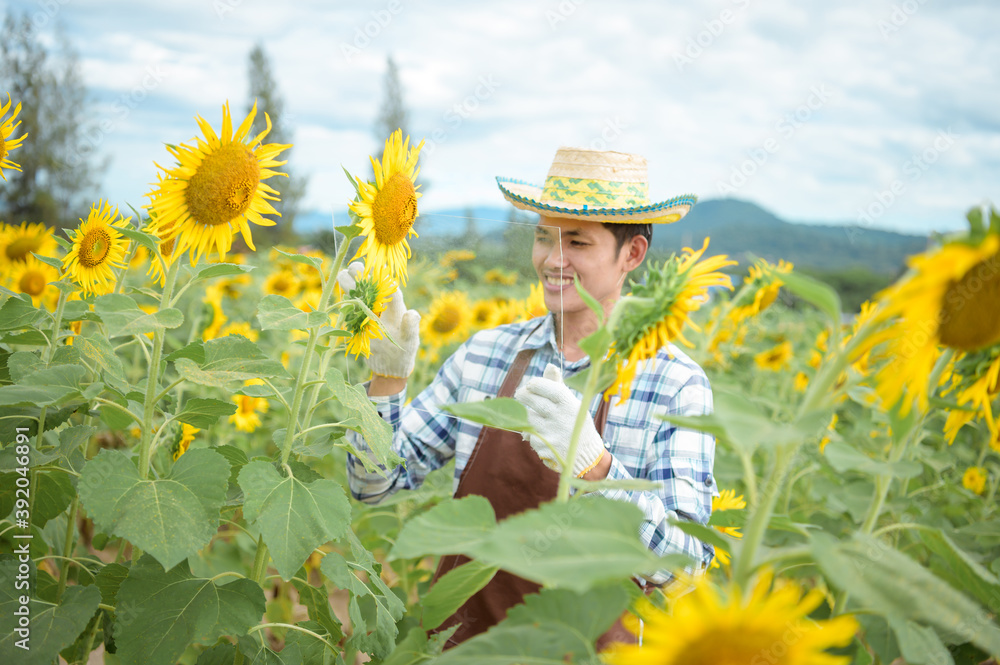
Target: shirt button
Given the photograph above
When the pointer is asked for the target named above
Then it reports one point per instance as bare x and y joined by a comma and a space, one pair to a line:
708, 481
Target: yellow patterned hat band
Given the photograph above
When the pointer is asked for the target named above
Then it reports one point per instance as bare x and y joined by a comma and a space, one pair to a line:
589, 191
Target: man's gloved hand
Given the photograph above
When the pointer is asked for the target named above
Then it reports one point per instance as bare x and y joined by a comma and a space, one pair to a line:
403, 325
552, 410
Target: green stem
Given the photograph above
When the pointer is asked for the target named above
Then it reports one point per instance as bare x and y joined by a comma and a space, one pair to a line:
153, 379
589, 390
93, 635
260, 561
68, 547
749, 475
754, 534
300, 380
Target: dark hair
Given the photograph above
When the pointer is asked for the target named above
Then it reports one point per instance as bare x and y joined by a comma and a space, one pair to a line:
625, 232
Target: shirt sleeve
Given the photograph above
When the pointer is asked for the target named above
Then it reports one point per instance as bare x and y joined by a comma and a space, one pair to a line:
423, 435
682, 462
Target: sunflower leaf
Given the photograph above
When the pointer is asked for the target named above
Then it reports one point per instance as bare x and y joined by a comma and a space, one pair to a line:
376, 432
451, 591
146, 240
170, 518
159, 613
48, 260
53, 627
591, 301
221, 270
814, 291
18, 312
375, 637
501, 412
314, 261
276, 312
204, 412
295, 516
123, 318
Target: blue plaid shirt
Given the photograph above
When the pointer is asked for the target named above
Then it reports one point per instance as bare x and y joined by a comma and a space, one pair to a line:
642, 445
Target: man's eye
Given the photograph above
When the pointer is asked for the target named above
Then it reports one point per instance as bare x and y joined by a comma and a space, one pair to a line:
577, 243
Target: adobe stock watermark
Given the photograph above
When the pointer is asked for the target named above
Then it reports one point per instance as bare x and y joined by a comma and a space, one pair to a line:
562, 12
461, 111
611, 131
47, 10
121, 109
712, 30
900, 14
364, 35
785, 128
913, 169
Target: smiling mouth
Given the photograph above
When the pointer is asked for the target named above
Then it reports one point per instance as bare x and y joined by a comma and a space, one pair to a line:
558, 281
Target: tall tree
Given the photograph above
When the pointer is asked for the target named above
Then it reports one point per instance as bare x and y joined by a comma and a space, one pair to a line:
393, 114
60, 169
264, 90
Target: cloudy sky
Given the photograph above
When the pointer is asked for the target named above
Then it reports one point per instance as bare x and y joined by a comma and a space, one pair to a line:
878, 112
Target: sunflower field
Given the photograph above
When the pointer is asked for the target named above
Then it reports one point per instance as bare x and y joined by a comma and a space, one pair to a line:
173, 420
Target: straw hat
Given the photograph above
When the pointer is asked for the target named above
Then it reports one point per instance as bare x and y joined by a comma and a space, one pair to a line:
598, 185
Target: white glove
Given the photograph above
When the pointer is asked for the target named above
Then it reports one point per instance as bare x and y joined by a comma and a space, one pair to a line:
387, 359
552, 410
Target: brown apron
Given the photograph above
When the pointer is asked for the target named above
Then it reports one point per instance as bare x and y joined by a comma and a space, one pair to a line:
505, 470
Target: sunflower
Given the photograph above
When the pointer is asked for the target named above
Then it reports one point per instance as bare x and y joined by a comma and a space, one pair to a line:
388, 208
727, 500
453, 256
248, 409
950, 298
830, 429
156, 271
534, 305
214, 299
18, 243
775, 358
801, 382
98, 249
7, 128
497, 276
216, 188
375, 292
242, 328
448, 320
484, 314
977, 378
283, 283
35, 278
187, 436
974, 479
703, 628
658, 308
760, 289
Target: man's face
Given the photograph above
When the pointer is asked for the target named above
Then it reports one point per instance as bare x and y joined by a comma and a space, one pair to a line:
564, 248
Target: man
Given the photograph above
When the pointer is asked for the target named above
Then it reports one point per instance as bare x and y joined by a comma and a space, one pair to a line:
595, 225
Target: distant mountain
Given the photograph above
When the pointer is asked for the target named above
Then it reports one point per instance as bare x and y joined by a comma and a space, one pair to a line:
744, 230
740, 229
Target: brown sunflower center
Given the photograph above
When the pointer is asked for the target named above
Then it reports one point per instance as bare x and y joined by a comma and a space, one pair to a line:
247, 405
224, 185
3, 148
446, 320
394, 209
32, 282
970, 310
21, 248
94, 247
728, 647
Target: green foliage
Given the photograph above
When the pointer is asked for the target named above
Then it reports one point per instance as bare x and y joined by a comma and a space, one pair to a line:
171, 518
295, 516
159, 613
